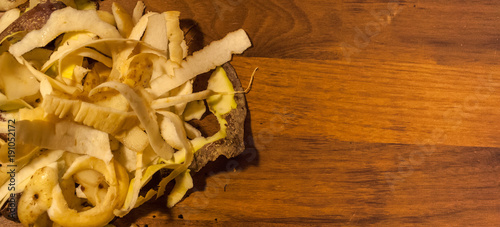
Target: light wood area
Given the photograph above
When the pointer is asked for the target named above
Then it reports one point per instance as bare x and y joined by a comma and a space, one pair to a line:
362, 112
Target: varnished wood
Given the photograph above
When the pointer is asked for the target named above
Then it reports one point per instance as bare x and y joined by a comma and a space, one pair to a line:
362, 112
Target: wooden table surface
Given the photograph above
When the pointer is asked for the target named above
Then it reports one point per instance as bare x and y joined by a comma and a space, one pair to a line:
362, 112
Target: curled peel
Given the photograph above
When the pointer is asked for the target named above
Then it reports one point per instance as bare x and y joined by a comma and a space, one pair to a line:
154, 78
117, 178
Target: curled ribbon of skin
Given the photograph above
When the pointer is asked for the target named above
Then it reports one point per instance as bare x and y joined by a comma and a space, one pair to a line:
116, 177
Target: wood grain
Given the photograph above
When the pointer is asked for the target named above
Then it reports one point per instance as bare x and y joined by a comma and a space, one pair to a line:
400, 132
362, 113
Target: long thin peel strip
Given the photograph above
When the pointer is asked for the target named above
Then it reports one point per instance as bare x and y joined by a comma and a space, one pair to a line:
64, 20
174, 100
134, 189
181, 132
27, 171
146, 116
219, 52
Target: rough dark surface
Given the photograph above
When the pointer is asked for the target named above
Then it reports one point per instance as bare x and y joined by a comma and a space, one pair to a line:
33, 19
233, 144
6, 208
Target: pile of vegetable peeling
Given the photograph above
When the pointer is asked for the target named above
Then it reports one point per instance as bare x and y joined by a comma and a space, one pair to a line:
93, 104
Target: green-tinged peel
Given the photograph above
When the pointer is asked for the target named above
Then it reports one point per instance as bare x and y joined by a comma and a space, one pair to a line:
220, 104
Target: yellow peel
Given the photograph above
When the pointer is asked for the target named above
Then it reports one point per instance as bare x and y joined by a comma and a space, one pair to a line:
156, 33
9, 17
17, 81
140, 26
123, 20
187, 147
138, 11
117, 179
146, 116
183, 183
142, 199
133, 191
106, 119
175, 36
211, 56
44, 159
65, 135
64, 20
106, 17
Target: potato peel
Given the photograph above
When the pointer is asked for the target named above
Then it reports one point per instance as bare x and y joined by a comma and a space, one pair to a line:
117, 178
219, 52
123, 20
116, 92
64, 20
33, 19
37, 196
146, 116
9, 17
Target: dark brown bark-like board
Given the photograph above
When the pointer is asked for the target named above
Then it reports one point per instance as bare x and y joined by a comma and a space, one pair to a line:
232, 145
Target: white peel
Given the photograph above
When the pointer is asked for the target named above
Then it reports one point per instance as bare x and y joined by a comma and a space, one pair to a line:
64, 20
